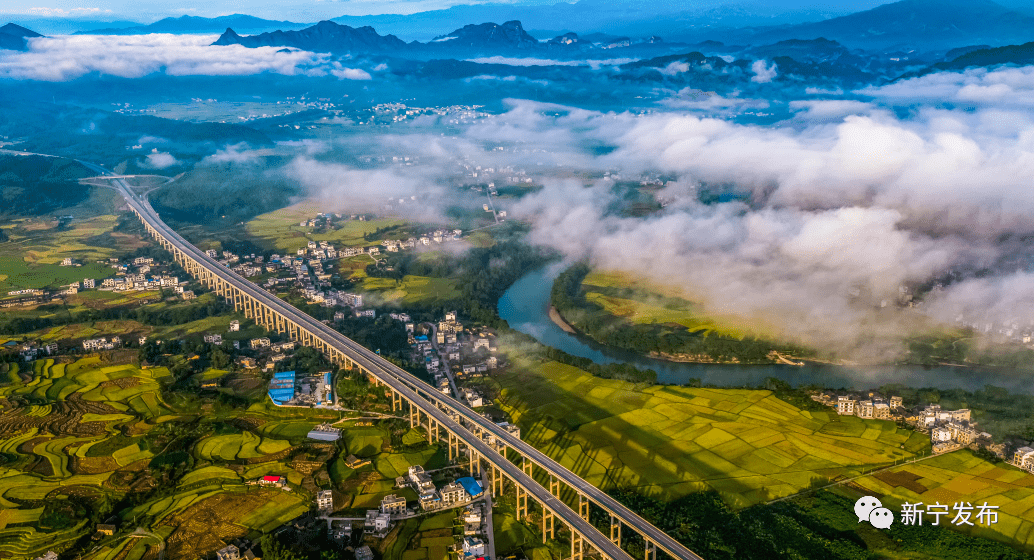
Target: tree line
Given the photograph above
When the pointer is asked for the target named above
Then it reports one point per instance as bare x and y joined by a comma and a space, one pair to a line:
160, 316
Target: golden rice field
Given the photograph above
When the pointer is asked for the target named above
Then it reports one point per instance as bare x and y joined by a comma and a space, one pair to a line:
962, 477
656, 304
670, 441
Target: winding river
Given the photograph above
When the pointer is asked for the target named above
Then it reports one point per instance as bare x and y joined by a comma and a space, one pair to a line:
525, 306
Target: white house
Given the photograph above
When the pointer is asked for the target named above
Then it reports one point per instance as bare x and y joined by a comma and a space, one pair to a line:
473, 546
325, 500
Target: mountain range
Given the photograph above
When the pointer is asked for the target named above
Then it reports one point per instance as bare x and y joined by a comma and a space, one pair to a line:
905, 25
195, 24
327, 36
908, 24
14, 37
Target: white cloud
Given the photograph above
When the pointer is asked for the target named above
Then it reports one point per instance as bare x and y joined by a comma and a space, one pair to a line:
66, 57
674, 68
763, 73
830, 109
837, 213
1003, 87
821, 91
60, 12
530, 61
159, 160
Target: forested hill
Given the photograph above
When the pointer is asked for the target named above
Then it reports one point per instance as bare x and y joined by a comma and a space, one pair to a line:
32, 185
108, 138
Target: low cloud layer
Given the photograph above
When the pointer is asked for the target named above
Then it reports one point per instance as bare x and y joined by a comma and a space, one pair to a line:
531, 61
829, 215
1003, 87
66, 57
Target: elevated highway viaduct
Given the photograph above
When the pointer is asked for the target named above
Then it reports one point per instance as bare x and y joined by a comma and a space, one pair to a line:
443, 416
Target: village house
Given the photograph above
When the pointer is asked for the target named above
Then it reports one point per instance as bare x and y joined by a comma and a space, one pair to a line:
1023, 458
325, 500
452, 493
393, 505
354, 462
845, 406
229, 552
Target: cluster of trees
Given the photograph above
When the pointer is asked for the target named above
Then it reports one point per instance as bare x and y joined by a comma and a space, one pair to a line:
235, 192
305, 360
158, 316
568, 297
483, 273
625, 372
487, 272
382, 334
379, 232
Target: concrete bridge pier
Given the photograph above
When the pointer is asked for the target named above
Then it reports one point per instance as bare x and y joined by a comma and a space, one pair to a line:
577, 542
548, 522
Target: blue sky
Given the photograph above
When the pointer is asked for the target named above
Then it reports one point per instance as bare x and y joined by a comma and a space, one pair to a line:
314, 10
294, 10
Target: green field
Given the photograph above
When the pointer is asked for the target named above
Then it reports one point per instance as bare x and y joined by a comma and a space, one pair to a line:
962, 477
637, 302
279, 230
511, 534
32, 256
239, 446
412, 289
670, 441
422, 539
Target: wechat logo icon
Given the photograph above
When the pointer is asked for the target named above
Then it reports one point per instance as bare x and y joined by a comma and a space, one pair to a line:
870, 509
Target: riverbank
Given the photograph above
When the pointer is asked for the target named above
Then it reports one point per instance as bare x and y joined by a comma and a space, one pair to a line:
554, 316
525, 307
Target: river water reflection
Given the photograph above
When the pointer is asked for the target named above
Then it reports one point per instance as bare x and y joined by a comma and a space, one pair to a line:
525, 306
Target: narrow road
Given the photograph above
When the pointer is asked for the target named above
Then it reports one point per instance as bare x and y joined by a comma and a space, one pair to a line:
445, 362
489, 530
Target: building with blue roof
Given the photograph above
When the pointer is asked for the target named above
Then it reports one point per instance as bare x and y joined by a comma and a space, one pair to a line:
471, 486
281, 387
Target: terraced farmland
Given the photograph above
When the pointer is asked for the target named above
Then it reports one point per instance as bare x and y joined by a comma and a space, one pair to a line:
239, 446
99, 431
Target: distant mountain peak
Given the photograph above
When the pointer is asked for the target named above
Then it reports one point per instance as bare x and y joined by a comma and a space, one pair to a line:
325, 36
510, 34
14, 37
229, 37
18, 31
